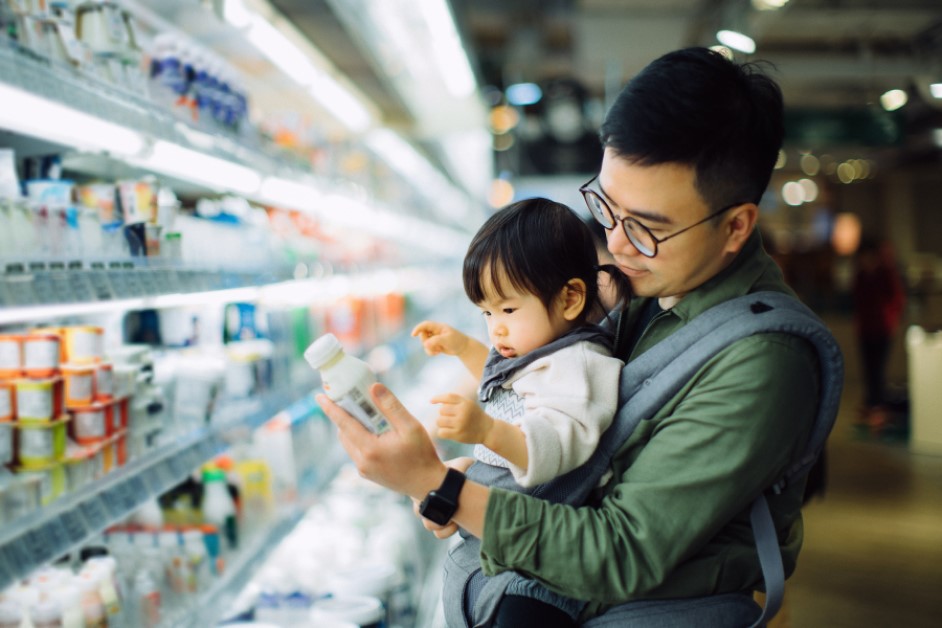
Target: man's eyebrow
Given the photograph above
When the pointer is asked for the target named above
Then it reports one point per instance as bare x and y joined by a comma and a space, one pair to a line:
646, 215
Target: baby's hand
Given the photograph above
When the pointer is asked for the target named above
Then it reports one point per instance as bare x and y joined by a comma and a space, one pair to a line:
461, 419
440, 338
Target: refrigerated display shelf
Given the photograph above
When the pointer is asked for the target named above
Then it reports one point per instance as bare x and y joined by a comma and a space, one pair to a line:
211, 606
40, 537
27, 293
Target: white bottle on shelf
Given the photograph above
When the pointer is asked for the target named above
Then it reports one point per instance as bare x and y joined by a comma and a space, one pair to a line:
346, 380
218, 507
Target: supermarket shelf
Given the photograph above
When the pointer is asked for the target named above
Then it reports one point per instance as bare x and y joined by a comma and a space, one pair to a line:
40, 537
215, 602
45, 292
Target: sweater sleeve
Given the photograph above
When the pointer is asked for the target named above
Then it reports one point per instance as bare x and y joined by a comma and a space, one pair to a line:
570, 398
685, 478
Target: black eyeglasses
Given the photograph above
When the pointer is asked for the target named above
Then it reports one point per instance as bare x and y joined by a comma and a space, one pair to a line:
639, 235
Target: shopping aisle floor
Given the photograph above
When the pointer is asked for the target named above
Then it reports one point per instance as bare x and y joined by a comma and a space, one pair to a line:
873, 544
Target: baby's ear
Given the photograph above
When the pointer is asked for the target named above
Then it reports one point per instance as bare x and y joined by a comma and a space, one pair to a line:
574, 299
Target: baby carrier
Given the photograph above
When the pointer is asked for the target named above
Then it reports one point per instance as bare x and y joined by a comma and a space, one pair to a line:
647, 383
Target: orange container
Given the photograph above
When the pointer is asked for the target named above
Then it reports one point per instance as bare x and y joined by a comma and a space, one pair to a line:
119, 413
79, 384
84, 344
41, 355
91, 424
11, 356
57, 331
104, 381
38, 399
7, 401
121, 448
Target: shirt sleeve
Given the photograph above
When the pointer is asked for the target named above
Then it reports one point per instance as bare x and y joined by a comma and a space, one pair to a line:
570, 398
691, 470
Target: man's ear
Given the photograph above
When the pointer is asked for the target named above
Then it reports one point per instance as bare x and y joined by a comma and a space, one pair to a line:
740, 223
573, 297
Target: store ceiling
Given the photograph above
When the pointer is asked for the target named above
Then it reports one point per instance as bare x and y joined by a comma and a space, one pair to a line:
832, 56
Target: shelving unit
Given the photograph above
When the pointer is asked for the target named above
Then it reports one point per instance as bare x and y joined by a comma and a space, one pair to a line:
44, 105
65, 524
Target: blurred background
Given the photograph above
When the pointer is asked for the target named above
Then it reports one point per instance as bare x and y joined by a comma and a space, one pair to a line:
282, 150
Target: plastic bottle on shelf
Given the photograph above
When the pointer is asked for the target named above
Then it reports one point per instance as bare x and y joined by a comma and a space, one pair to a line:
197, 560
46, 614
346, 380
146, 599
218, 507
93, 609
11, 615
70, 600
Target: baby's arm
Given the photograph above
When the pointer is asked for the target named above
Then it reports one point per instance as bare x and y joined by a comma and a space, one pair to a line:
461, 419
440, 338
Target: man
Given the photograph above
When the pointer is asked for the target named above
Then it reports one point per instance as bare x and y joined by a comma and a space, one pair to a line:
689, 147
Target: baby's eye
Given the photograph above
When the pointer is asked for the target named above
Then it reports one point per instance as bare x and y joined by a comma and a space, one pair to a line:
485, 313
509, 310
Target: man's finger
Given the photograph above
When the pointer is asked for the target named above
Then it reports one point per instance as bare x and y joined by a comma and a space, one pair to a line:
391, 407
346, 424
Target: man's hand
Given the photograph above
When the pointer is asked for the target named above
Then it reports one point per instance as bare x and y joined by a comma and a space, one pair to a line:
461, 419
440, 338
402, 459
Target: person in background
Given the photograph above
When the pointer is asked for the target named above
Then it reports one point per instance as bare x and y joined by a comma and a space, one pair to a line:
689, 147
549, 383
879, 300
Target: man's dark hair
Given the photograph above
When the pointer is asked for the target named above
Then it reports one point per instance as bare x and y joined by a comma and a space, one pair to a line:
696, 107
539, 245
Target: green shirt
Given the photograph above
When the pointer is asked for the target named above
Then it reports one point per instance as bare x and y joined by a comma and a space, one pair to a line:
674, 521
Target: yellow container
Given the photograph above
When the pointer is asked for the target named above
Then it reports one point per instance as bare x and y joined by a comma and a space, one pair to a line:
53, 480
84, 344
40, 443
38, 399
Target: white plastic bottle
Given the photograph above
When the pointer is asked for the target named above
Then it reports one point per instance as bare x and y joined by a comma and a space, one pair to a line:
346, 380
218, 507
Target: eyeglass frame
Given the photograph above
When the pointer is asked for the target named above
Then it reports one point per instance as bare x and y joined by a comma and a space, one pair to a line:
586, 191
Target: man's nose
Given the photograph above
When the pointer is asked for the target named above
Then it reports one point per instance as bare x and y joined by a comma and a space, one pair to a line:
618, 243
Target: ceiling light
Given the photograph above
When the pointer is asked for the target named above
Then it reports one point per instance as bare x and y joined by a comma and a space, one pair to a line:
448, 52
809, 189
936, 90
894, 99
768, 5
55, 122
340, 102
736, 41
523, 94
793, 193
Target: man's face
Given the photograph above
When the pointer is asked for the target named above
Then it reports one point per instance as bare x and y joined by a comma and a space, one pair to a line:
663, 199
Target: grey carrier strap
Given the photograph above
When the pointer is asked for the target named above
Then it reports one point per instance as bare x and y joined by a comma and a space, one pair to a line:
647, 383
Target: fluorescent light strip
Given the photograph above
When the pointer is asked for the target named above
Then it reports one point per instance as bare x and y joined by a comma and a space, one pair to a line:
340, 103
737, 41
447, 50
46, 119
278, 48
175, 160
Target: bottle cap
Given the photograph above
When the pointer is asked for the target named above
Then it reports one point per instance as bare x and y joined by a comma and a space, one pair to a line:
213, 474
322, 350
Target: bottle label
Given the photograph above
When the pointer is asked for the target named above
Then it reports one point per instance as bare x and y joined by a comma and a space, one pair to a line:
363, 410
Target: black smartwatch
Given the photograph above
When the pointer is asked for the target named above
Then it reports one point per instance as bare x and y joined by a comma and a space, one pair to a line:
440, 505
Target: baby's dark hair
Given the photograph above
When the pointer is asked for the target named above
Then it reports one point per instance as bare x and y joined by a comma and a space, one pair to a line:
538, 245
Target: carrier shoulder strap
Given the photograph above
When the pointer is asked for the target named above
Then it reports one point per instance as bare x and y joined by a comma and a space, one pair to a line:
653, 378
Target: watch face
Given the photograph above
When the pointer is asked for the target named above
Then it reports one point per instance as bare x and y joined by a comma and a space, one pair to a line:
437, 509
